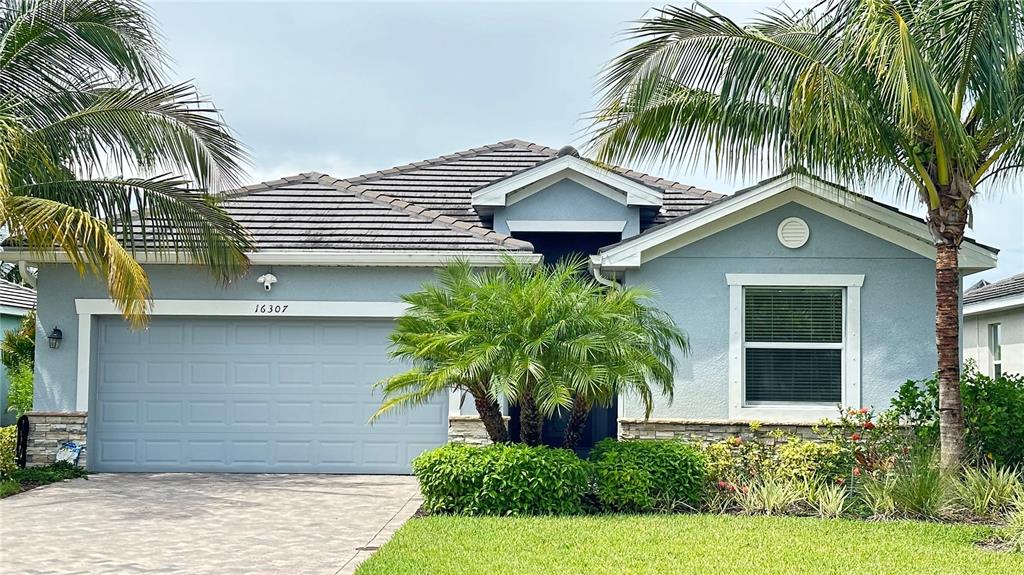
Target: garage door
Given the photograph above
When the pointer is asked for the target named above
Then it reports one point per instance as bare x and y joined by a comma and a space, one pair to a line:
250, 395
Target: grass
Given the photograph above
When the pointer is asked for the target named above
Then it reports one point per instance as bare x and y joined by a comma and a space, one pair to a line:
31, 477
719, 544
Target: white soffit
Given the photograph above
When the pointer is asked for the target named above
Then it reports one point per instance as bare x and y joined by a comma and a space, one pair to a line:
605, 182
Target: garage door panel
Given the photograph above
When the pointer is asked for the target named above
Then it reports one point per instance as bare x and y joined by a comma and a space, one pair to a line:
245, 395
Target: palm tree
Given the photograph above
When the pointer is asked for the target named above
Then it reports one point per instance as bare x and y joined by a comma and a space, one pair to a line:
544, 338
628, 348
925, 94
81, 95
447, 335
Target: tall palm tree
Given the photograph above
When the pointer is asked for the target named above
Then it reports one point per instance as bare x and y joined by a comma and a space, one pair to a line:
82, 95
925, 94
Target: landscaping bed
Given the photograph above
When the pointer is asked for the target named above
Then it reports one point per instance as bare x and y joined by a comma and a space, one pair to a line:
32, 477
680, 544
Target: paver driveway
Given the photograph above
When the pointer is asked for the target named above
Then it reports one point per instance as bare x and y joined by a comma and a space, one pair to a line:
202, 523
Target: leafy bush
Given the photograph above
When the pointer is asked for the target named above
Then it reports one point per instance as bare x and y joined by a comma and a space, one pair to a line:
768, 497
502, 479
677, 473
827, 500
621, 485
19, 392
915, 488
8, 442
993, 413
987, 492
873, 443
19, 345
778, 456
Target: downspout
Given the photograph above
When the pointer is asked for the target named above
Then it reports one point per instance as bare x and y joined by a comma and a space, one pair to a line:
595, 270
25, 275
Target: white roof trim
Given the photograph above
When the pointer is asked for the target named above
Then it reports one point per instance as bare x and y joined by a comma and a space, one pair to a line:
830, 200
615, 226
994, 304
336, 258
605, 182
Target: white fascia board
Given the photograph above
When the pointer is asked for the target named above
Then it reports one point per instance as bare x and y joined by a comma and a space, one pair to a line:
353, 259
13, 310
636, 194
995, 304
253, 308
829, 200
824, 280
615, 226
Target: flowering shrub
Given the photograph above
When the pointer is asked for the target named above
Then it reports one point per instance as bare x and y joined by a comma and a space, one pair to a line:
873, 442
775, 455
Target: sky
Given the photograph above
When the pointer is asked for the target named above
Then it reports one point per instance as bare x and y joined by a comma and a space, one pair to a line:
347, 88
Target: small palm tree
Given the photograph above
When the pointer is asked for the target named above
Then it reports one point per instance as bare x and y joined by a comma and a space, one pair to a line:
81, 95
928, 94
544, 338
447, 335
624, 348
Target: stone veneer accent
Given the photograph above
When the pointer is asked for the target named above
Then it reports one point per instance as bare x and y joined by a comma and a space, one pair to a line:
704, 430
468, 429
48, 429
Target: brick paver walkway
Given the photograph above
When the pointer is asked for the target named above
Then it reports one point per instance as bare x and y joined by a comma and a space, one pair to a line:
202, 523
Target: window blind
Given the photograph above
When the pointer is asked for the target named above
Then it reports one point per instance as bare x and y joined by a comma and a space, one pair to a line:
793, 339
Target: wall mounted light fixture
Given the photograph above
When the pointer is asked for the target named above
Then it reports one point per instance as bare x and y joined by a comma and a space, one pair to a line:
55, 337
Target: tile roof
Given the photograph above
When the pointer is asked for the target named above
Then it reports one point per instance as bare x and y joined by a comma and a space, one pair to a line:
313, 211
446, 183
15, 295
1012, 285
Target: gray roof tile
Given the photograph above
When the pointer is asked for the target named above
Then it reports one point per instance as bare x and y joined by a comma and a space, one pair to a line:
1013, 285
15, 295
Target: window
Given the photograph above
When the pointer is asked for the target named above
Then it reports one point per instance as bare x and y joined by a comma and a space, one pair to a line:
995, 348
793, 345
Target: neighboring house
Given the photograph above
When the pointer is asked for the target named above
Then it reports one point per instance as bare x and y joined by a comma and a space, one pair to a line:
993, 332
798, 295
15, 301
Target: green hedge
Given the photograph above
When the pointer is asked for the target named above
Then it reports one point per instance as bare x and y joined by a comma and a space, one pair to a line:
644, 475
502, 479
8, 442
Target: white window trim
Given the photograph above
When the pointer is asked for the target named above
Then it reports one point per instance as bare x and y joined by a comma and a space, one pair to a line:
87, 308
992, 361
851, 374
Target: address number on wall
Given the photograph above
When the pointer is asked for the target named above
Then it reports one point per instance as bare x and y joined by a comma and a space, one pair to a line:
270, 308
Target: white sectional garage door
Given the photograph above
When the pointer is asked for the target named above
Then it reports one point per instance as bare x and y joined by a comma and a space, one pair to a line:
250, 395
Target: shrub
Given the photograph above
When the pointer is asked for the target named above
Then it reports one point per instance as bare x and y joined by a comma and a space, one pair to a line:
501, 479
768, 497
778, 456
987, 492
877, 496
872, 443
19, 393
621, 485
8, 442
993, 413
827, 500
677, 472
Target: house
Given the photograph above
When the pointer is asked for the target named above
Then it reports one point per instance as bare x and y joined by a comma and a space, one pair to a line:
797, 295
993, 331
15, 301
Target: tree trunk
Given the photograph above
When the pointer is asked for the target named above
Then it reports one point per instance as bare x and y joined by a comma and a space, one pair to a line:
531, 423
947, 340
577, 419
490, 414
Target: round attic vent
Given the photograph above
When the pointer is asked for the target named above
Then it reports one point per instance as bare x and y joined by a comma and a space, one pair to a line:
568, 151
793, 232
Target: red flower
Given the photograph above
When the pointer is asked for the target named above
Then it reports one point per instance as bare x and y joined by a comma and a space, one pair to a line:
856, 471
869, 425
722, 484
855, 437
864, 410
840, 480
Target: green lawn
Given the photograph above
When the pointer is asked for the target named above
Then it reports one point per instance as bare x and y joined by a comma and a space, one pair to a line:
715, 544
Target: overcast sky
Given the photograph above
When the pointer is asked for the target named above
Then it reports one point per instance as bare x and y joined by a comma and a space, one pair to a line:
348, 88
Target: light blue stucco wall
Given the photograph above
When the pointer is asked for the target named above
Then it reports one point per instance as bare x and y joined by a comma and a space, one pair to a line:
60, 285
897, 304
568, 200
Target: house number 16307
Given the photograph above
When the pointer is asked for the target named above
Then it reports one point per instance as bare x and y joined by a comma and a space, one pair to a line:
270, 308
